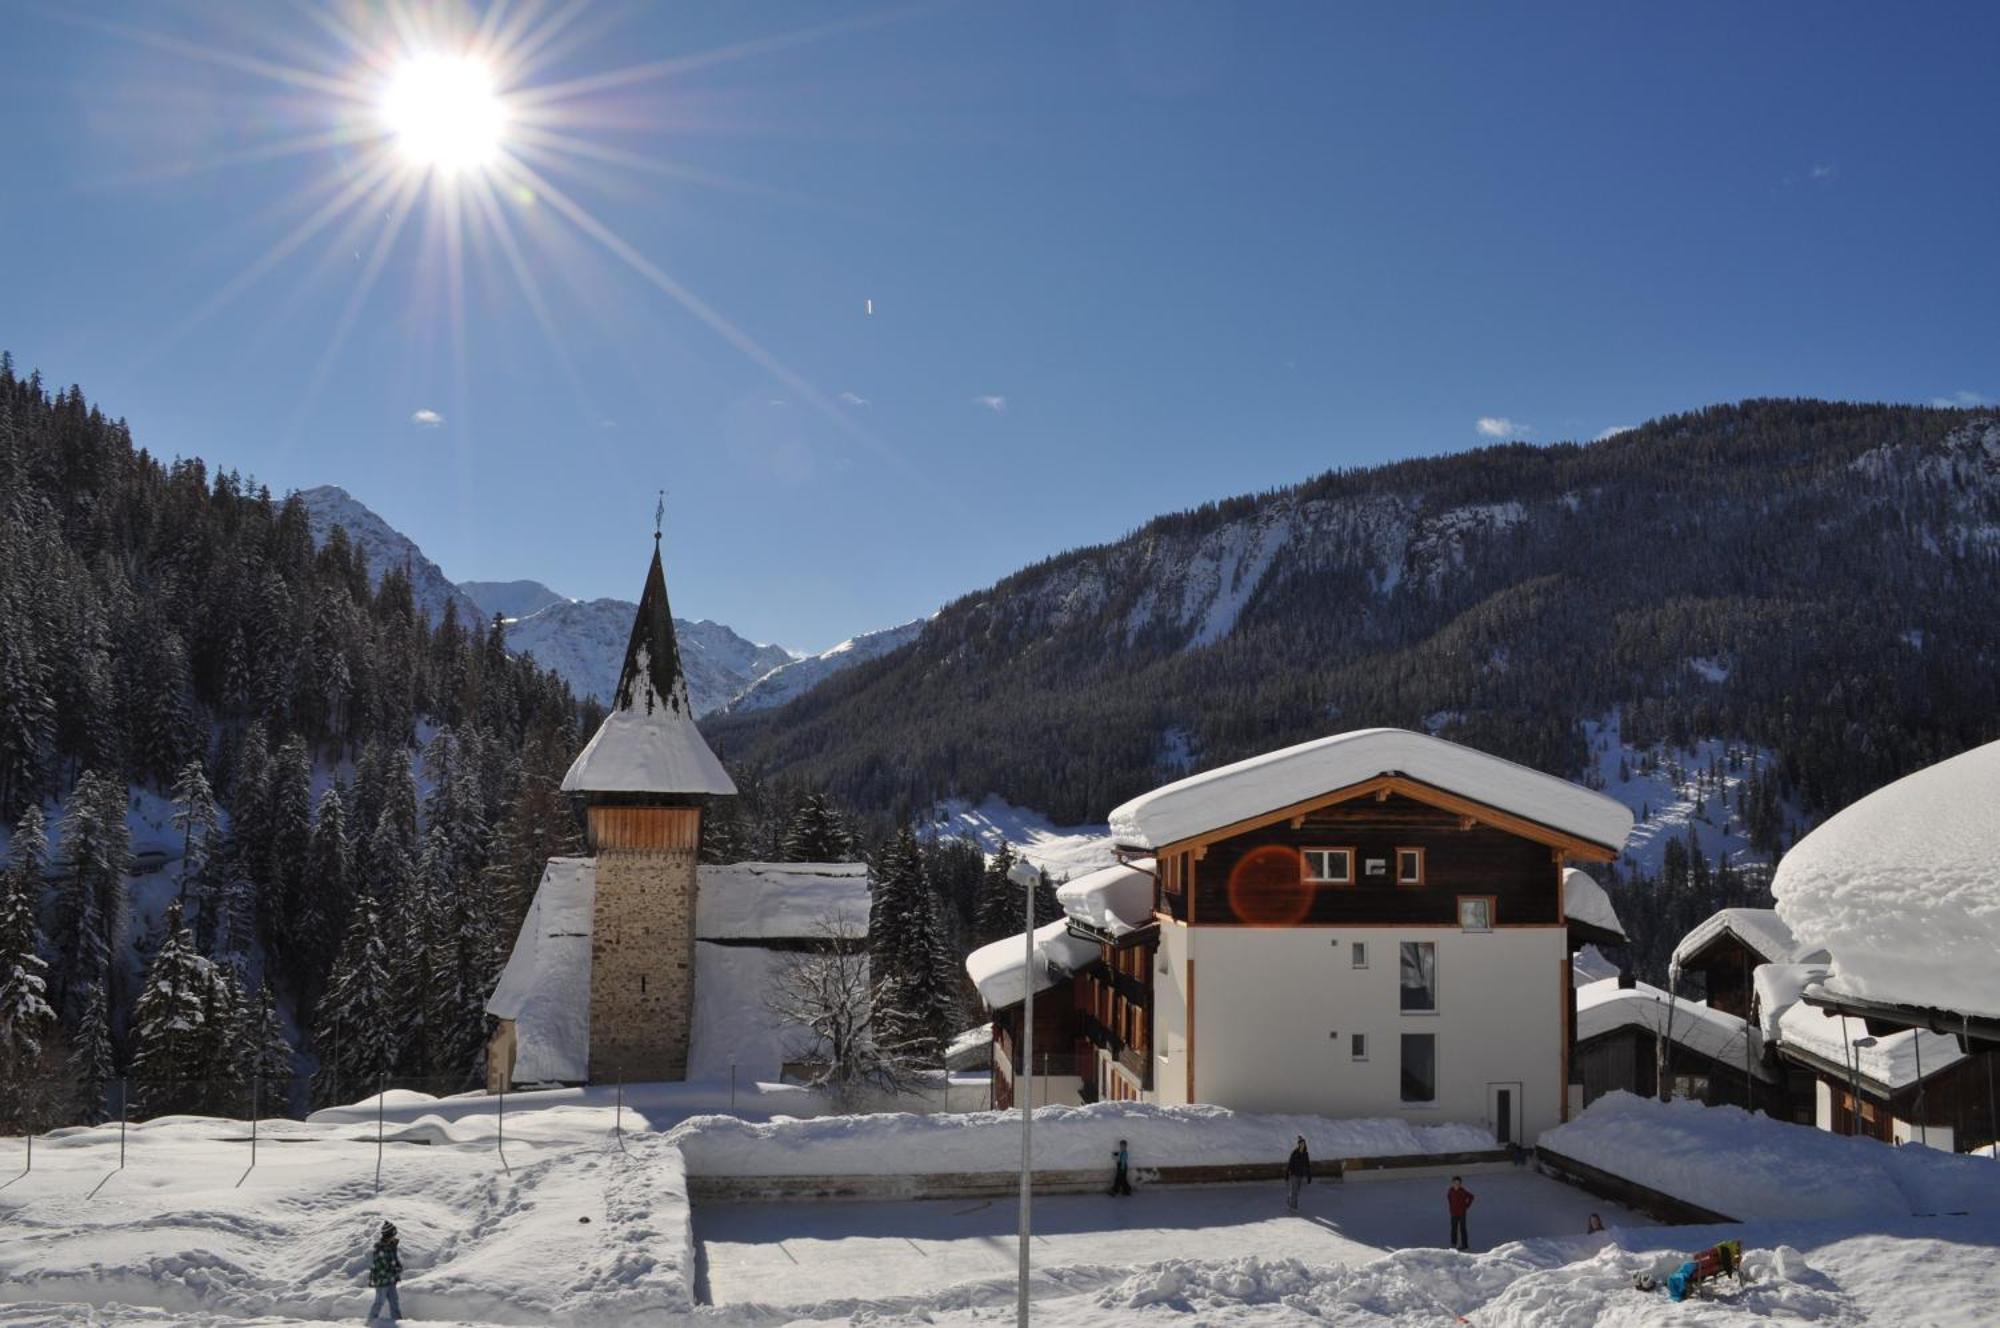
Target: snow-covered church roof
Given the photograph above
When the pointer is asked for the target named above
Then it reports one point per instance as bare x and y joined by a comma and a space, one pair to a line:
649, 742
1262, 784
1903, 889
779, 900
545, 988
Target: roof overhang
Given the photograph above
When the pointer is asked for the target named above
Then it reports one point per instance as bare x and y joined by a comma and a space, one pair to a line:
1974, 1032
1589, 933
1393, 782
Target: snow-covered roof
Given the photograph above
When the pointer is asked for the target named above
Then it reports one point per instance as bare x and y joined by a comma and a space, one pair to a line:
1903, 888
779, 900
545, 987
1890, 1060
1759, 928
1604, 1006
1585, 901
1778, 987
997, 969
1262, 784
1115, 900
970, 1050
649, 743
1589, 965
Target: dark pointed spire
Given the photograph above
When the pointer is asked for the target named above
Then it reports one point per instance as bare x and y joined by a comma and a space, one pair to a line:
652, 672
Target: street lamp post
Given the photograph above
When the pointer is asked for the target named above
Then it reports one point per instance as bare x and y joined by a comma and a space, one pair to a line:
1028, 878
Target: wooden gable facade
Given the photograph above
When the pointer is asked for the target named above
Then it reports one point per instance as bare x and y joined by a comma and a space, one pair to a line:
1391, 852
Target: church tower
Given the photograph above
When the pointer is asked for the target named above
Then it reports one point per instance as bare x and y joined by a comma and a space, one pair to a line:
642, 779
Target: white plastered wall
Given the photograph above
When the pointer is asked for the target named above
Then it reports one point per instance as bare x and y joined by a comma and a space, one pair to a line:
1276, 1010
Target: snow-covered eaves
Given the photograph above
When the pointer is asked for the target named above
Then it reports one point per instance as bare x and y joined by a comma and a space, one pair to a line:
1115, 901
1903, 889
650, 746
1263, 784
1887, 1062
1585, 902
999, 970
1777, 988
1604, 1007
780, 900
545, 987
1760, 929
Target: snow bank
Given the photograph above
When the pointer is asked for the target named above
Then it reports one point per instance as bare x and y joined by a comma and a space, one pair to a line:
1584, 901
545, 988
1752, 1167
1114, 900
779, 900
1230, 793
1603, 1006
1759, 928
999, 969
1903, 887
1066, 1138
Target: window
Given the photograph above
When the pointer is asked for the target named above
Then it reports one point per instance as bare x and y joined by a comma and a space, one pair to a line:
1330, 866
1360, 1042
1409, 866
1420, 1067
1475, 913
1419, 977
1361, 954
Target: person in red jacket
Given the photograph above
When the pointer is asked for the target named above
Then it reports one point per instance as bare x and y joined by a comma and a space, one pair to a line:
1458, 1199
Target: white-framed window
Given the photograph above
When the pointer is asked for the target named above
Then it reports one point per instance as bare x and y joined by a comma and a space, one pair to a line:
1418, 964
1409, 866
1420, 1067
1358, 952
1475, 913
1359, 1045
1329, 866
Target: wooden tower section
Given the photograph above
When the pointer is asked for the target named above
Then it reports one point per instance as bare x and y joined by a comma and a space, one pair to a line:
643, 779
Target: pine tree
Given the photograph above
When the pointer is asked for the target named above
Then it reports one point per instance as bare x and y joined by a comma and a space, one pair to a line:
999, 909
92, 1062
170, 1027
285, 911
722, 837
197, 818
91, 899
327, 895
27, 1020
264, 1054
906, 942
817, 834
355, 1036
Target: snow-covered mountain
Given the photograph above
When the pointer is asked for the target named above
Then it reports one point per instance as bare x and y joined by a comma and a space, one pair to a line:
384, 546
584, 641
511, 599
795, 677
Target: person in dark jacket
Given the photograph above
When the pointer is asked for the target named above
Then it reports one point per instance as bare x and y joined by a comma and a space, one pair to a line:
1121, 1181
384, 1270
1459, 1200
1298, 1171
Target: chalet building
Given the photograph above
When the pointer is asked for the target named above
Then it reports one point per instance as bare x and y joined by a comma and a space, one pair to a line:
633, 962
1709, 1055
1723, 951
1371, 924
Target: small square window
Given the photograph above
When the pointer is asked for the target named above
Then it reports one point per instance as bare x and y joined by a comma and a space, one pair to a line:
1475, 913
1360, 952
1360, 1046
1409, 866
1329, 866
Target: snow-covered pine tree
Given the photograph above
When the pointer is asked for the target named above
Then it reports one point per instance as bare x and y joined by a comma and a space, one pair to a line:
264, 1053
355, 1036
421, 959
285, 907
163, 728
999, 910
27, 1020
328, 893
906, 941
92, 1061
196, 817
540, 824
213, 1053
817, 833
170, 1029
722, 837
91, 899
27, 711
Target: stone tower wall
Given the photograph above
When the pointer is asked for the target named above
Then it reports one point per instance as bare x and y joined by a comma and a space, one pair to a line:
642, 964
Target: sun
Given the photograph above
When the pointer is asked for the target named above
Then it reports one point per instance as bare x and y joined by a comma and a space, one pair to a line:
444, 112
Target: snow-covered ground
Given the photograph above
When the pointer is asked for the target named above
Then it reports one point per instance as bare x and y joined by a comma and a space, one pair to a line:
1064, 852
1672, 796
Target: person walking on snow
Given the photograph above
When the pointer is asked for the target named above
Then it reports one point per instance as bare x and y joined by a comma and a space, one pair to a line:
1458, 1199
1121, 1183
384, 1270
1298, 1171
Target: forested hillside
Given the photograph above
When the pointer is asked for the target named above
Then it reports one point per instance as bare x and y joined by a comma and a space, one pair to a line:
171, 638
1821, 580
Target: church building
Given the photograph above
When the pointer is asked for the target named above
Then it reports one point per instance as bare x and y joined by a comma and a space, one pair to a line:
602, 982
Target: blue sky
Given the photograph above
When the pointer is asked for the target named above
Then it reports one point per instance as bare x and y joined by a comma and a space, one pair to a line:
1123, 259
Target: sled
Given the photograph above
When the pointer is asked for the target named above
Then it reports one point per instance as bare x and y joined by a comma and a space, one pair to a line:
1712, 1264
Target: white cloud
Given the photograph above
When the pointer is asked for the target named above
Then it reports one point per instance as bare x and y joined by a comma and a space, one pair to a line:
1824, 170
427, 417
1963, 400
996, 404
1499, 426
855, 399
1615, 430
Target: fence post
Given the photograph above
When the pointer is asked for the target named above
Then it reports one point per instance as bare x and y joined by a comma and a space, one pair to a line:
732, 1085
500, 1131
381, 1091
124, 1110
31, 1153
256, 1108
618, 1120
